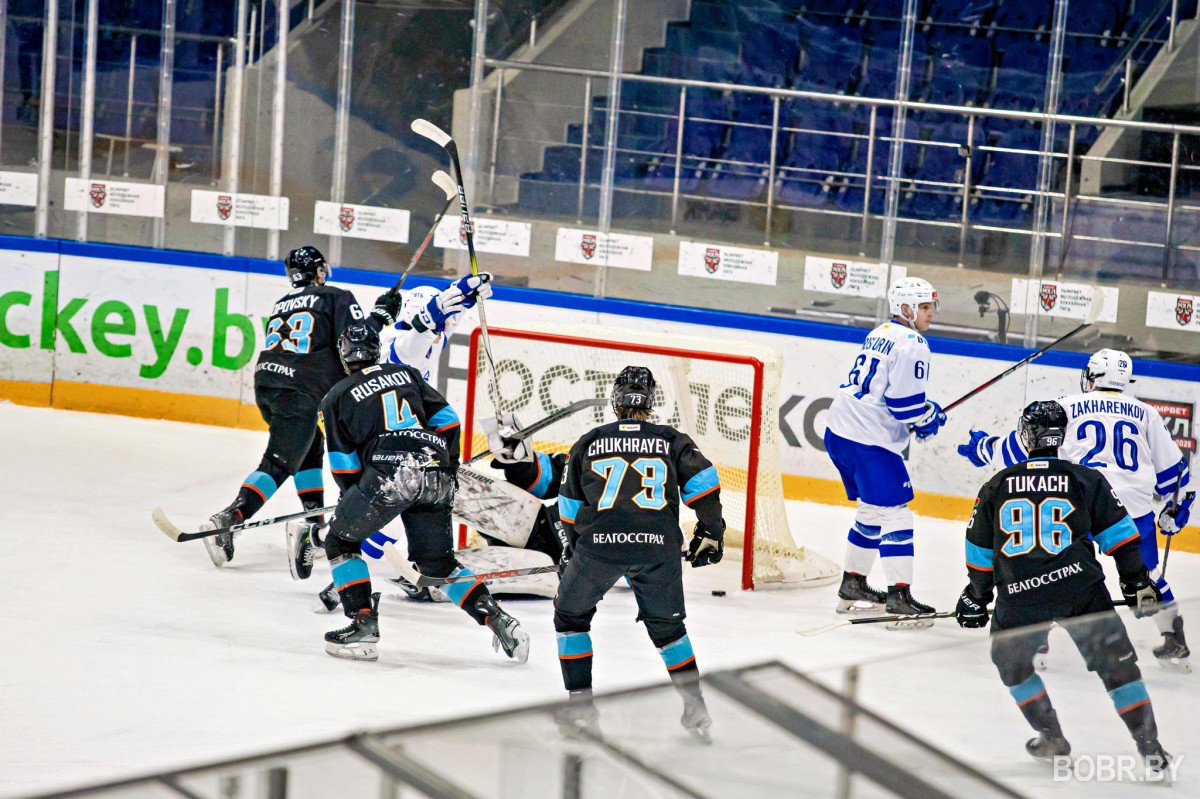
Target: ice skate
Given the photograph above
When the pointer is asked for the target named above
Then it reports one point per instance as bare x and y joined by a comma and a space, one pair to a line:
1041, 658
220, 547
579, 719
1047, 746
855, 596
507, 631
1173, 654
357, 640
900, 602
1156, 761
301, 548
327, 600
695, 719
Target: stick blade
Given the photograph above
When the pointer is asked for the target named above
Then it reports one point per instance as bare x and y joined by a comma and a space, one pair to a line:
811, 631
164, 524
446, 184
423, 127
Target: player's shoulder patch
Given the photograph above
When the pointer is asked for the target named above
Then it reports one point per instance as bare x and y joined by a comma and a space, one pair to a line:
1037, 464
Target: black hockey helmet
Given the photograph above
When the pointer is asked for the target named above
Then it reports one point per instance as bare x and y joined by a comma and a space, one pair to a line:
302, 264
633, 390
1042, 426
358, 346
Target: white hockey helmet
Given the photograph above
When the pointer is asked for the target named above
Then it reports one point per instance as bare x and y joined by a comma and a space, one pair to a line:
415, 299
1108, 370
910, 291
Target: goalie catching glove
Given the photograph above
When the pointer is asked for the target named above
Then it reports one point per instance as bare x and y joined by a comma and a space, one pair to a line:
462, 295
505, 447
707, 547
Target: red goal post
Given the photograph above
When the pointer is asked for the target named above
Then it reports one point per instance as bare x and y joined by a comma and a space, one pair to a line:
716, 391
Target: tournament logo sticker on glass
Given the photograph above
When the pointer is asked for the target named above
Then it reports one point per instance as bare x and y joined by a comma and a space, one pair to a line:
98, 193
712, 260
1049, 296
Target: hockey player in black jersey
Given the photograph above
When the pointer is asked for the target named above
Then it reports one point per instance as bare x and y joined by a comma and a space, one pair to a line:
394, 450
297, 366
1030, 540
619, 506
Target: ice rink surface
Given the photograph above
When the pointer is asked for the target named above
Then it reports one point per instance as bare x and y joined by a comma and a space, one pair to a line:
125, 652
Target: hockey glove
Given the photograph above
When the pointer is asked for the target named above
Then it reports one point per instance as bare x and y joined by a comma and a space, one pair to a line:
1141, 594
979, 449
930, 422
707, 547
387, 306
474, 288
504, 446
972, 611
1174, 517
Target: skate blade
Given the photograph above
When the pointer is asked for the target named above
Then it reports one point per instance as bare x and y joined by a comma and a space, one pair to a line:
520, 652
909, 624
363, 650
216, 552
1040, 662
858, 606
1176, 665
701, 734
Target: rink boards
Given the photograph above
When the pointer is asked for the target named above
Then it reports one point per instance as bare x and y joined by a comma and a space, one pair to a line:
175, 335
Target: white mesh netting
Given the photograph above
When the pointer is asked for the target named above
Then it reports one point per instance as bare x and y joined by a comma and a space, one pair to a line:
707, 388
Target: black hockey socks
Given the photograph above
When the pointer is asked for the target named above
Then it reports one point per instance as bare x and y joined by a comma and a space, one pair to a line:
575, 658
1132, 703
352, 581
1034, 703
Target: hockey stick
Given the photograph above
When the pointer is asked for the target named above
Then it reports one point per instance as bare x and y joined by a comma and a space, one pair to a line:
1093, 312
401, 564
947, 614
423, 127
175, 534
446, 184
483, 577
561, 413
1187, 462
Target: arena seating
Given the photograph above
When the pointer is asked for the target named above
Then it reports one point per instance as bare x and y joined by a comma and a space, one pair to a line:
981, 53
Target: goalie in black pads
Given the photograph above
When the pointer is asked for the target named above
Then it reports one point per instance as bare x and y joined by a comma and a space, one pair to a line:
393, 449
619, 506
297, 366
1028, 539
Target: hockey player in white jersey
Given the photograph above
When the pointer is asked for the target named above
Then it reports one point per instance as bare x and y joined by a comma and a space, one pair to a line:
426, 321
876, 407
1125, 439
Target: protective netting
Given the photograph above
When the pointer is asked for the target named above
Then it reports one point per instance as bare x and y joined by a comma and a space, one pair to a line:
724, 394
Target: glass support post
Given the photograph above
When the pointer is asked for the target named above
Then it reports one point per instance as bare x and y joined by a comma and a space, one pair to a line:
46, 117
166, 82
337, 192
278, 117
771, 168
887, 244
87, 132
233, 164
1041, 203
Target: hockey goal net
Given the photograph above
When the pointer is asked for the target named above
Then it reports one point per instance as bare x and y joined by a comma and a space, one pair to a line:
724, 394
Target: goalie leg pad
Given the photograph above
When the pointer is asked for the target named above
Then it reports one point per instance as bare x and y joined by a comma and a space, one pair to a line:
500, 509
